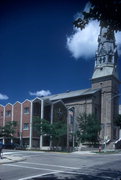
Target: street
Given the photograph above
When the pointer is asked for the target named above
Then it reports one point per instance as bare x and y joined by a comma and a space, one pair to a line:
69, 166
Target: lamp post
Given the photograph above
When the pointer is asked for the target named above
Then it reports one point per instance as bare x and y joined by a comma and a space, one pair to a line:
107, 101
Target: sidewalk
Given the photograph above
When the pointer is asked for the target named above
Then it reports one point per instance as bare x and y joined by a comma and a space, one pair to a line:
83, 152
10, 159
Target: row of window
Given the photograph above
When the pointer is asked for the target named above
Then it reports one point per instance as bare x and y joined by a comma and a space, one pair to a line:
8, 113
103, 59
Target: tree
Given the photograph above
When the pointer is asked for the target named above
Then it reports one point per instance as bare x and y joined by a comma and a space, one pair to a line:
8, 130
89, 128
59, 125
58, 133
107, 12
55, 131
41, 126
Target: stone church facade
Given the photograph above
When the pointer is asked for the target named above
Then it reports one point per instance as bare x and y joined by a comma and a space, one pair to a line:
101, 99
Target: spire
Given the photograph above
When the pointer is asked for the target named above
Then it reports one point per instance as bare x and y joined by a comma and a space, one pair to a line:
106, 54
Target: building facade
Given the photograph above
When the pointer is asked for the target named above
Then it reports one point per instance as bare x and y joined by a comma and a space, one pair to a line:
71, 104
24, 114
102, 99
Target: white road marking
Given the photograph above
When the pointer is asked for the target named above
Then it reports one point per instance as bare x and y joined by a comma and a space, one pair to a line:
22, 155
29, 155
53, 172
39, 175
68, 167
28, 167
23, 152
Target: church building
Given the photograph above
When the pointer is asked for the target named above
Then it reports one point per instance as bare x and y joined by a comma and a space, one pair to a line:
102, 99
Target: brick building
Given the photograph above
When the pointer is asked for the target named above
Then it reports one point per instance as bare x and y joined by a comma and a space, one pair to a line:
23, 113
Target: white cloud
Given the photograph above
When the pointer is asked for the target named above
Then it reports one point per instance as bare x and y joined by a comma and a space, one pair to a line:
40, 93
3, 97
84, 43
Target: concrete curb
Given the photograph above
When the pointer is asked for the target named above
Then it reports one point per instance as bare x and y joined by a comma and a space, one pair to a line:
84, 152
11, 159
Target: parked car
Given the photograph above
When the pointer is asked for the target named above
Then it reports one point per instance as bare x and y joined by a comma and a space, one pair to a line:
13, 146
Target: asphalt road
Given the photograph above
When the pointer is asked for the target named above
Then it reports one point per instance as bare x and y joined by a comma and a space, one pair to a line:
62, 166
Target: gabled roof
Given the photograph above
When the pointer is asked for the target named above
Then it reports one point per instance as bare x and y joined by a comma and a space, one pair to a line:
9, 104
61, 96
59, 101
36, 99
26, 100
17, 102
2, 105
71, 94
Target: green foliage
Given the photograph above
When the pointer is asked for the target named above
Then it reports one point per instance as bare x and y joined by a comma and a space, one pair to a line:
41, 126
118, 121
56, 130
8, 130
89, 128
107, 12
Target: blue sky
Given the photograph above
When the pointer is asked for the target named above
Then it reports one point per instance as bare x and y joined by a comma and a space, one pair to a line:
33, 49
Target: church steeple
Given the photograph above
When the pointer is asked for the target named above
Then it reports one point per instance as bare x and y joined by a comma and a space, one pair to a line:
105, 77
106, 54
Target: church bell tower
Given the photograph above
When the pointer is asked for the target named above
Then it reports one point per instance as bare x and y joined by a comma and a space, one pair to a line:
105, 77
